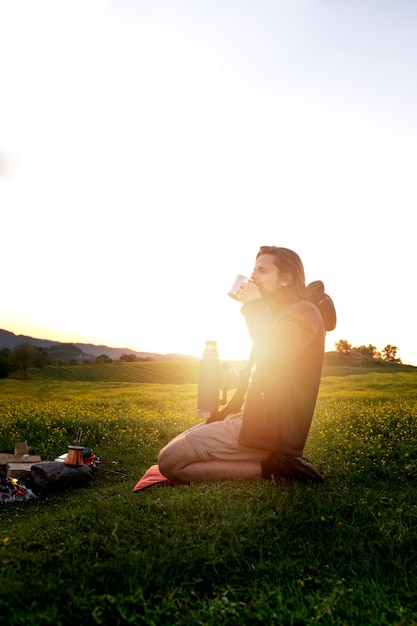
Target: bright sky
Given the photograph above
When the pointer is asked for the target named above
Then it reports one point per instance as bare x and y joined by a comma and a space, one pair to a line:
148, 148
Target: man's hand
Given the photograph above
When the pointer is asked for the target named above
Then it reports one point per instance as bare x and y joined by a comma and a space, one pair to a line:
248, 292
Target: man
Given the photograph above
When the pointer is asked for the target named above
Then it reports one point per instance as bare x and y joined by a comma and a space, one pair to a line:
266, 439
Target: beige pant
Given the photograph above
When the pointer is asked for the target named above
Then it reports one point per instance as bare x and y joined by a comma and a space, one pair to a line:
219, 441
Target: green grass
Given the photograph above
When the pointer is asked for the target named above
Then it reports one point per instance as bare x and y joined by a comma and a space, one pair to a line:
235, 552
146, 372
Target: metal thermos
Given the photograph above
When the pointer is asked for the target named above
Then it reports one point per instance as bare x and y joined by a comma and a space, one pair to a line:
208, 381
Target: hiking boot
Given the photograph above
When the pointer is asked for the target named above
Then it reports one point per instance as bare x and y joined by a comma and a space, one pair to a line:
296, 467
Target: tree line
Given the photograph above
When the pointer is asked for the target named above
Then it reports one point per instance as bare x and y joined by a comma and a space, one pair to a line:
25, 355
388, 353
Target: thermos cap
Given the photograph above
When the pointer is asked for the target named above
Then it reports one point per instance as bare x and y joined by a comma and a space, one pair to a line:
210, 348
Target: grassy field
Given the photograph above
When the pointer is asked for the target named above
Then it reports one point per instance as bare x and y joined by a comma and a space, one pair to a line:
343, 553
177, 372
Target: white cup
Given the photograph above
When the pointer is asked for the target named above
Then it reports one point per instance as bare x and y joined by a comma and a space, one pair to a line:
234, 289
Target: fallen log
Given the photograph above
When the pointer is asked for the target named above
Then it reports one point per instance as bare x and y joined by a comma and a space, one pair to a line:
49, 475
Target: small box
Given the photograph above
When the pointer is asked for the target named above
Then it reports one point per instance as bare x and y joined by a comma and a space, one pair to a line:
21, 448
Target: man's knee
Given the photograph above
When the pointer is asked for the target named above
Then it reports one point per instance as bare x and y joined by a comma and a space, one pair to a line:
175, 456
165, 462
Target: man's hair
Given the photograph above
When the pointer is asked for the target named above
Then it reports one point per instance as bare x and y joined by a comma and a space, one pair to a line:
288, 262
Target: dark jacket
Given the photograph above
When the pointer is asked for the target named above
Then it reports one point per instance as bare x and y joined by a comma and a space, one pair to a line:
289, 348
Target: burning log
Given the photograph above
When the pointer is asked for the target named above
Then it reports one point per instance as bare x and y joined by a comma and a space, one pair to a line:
13, 491
49, 475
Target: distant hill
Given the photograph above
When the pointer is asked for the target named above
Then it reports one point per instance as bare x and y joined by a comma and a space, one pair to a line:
81, 351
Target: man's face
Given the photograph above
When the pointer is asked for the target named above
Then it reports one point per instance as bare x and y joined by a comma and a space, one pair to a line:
267, 277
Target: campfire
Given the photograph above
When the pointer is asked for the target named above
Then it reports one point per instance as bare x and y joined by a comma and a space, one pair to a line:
11, 490
21, 470
14, 469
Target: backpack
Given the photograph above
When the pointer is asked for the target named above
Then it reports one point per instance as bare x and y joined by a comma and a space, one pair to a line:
324, 303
